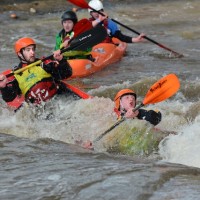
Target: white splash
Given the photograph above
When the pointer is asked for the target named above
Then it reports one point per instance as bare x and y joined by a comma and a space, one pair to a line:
184, 147
63, 120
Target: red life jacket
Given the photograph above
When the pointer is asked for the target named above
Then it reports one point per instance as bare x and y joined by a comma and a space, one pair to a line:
41, 92
118, 113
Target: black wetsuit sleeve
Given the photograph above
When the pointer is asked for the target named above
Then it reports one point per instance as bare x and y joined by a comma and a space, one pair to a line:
122, 37
59, 72
64, 69
10, 92
150, 115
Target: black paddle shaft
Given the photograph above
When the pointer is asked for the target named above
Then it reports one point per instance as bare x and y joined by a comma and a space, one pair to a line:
116, 124
110, 129
86, 40
147, 38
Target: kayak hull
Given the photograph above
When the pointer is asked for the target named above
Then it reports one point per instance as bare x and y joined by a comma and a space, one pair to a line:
140, 140
103, 54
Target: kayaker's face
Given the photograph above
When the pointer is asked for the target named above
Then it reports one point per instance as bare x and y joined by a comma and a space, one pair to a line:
28, 54
95, 15
68, 25
127, 102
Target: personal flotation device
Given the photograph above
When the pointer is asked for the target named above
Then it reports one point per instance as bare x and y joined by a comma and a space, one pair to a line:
36, 84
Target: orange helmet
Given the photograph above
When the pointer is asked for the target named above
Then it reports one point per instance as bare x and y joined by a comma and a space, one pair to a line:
22, 43
122, 93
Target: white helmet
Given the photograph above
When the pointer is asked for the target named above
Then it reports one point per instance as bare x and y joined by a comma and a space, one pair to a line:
95, 4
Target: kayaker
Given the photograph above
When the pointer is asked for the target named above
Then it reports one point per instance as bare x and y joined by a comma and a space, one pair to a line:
68, 20
37, 83
125, 102
112, 28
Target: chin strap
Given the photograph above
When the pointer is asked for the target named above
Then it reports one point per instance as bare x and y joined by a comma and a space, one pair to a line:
123, 112
23, 60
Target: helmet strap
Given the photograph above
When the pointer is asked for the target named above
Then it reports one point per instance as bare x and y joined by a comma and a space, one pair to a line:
21, 57
122, 109
123, 112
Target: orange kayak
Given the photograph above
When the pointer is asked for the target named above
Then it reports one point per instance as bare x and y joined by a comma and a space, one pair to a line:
104, 54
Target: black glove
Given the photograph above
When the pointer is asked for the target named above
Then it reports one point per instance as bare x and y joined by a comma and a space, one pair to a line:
154, 117
49, 66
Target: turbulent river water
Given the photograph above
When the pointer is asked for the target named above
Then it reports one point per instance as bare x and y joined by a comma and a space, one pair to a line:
39, 159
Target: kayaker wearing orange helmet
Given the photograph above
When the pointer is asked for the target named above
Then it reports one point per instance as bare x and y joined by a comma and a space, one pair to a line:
38, 83
112, 28
125, 102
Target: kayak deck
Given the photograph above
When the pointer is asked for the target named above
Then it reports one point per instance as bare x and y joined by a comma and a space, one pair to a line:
103, 54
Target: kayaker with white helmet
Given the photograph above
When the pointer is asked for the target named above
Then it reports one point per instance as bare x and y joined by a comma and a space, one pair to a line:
112, 28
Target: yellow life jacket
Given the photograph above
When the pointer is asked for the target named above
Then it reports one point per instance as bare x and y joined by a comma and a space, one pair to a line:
30, 77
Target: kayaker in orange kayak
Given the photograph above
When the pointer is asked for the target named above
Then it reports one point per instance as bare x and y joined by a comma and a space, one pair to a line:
68, 20
71, 28
38, 83
112, 28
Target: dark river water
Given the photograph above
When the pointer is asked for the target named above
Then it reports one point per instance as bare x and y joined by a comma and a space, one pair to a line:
39, 159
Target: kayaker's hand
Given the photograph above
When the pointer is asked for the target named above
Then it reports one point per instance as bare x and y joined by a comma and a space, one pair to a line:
101, 17
3, 81
140, 38
49, 65
88, 145
65, 44
131, 114
57, 55
57, 52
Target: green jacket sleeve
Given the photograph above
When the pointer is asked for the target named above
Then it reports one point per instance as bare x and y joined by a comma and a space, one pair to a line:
58, 42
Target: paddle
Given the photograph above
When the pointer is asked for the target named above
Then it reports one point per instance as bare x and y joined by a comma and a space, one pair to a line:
84, 4
159, 91
76, 53
77, 91
81, 26
82, 43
